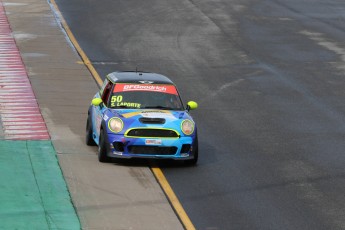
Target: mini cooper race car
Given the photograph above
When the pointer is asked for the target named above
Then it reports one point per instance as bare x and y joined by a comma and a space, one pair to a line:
141, 115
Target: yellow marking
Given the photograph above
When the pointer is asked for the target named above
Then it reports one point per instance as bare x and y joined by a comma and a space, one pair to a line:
80, 62
82, 54
132, 114
157, 172
187, 223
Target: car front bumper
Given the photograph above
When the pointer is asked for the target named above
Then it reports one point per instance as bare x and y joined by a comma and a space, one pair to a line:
151, 148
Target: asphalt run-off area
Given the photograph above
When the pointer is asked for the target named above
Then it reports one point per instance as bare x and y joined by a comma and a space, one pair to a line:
33, 192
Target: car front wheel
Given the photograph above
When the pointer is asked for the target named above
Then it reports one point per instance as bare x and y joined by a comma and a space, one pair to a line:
89, 132
103, 147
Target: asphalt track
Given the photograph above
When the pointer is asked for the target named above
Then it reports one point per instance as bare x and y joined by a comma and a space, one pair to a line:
269, 78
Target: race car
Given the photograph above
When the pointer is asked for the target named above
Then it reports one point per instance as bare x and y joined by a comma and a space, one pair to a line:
141, 115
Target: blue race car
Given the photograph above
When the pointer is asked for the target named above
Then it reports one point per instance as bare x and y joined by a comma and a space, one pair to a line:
141, 115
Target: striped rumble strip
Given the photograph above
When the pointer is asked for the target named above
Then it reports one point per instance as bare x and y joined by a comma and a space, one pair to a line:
19, 112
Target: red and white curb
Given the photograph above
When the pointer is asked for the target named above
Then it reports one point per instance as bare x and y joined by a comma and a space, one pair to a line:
19, 112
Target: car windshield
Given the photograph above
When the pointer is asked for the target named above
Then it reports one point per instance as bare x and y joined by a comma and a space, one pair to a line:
145, 96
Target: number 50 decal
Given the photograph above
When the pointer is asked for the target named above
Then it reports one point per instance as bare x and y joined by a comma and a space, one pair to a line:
116, 99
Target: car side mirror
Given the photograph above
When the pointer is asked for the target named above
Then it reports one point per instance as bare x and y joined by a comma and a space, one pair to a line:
96, 101
191, 105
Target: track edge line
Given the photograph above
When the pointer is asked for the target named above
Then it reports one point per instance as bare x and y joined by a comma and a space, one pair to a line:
175, 203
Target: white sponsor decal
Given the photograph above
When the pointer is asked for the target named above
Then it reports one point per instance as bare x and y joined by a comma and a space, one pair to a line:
155, 88
153, 141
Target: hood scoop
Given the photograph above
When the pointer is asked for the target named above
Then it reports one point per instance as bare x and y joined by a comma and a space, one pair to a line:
151, 120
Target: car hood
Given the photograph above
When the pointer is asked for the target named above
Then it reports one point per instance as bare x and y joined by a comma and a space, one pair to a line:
168, 115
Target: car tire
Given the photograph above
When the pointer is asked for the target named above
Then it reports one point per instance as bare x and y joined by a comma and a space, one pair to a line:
103, 147
89, 132
195, 150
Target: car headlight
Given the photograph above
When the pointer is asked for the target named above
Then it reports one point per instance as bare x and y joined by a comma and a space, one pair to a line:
115, 124
187, 127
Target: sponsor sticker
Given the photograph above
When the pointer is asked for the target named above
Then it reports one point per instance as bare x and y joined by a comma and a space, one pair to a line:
145, 87
153, 141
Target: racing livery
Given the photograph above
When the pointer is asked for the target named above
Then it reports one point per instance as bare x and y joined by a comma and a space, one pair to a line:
141, 115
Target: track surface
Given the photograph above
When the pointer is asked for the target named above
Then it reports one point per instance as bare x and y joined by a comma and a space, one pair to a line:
269, 79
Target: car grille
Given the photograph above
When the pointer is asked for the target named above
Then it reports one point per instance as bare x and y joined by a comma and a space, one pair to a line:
154, 150
152, 133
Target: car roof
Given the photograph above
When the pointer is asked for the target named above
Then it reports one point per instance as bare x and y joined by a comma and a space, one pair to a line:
138, 77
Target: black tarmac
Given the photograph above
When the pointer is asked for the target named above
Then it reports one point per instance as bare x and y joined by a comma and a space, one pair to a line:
269, 77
